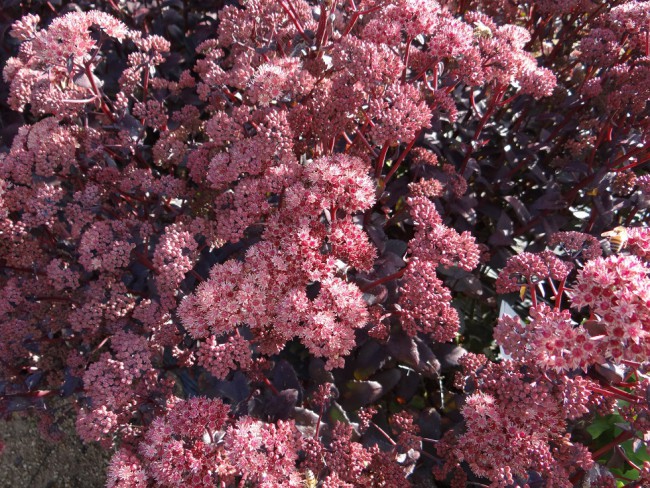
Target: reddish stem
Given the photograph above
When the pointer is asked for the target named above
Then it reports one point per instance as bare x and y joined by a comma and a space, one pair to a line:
632, 165
472, 100
621, 453
49, 298
619, 439
23, 270
435, 76
610, 391
383, 432
432, 65
397, 163
628, 155
355, 17
146, 262
331, 145
320, 416
494, 102
395, 276
321, 35
271, 387
558, 294
30, 394
353, 20
379, 165
322, 24
100, 345
196, 275
560, 42
102, 103
290, 12
599, 140
145, 84
538, 30
365, 142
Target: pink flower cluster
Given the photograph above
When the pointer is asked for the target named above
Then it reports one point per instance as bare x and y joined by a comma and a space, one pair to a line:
549, 338
173, 451
269, 295
522, 408
198, 442
54, 73
616, 291
529, 269
425, 303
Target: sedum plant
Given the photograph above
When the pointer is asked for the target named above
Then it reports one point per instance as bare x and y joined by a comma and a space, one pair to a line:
331, 244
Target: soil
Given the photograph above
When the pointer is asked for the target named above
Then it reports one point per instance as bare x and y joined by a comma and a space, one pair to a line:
28, 461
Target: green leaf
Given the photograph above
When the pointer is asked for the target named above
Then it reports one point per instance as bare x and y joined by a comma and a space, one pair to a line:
418, 402
603, 424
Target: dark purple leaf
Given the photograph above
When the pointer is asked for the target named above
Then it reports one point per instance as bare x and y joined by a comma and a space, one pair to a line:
448, 355
430, 423
550, 200
408, 386
428, 365
284, 377
304, 416
462, 281
236, 390
376, 232
33, 380
504, 232
71, 385
336, 413
396, 246
520, 209
611, 372
370, 357
278, 406
357, 394
388, 379
413, 352
318, 373
403, 348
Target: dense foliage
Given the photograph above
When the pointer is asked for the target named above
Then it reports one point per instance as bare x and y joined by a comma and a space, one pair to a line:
331, 244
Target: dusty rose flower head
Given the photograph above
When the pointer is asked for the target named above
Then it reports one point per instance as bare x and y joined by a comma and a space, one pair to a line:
56, 76
582, 245
438, 243
426, 188
25, 28
617, 290
350, 243
265, 453
340, 181
126, 471
505, 409
529, 269
179, 448
549, 338
398, 115
426, 303
638, 242
220, 358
